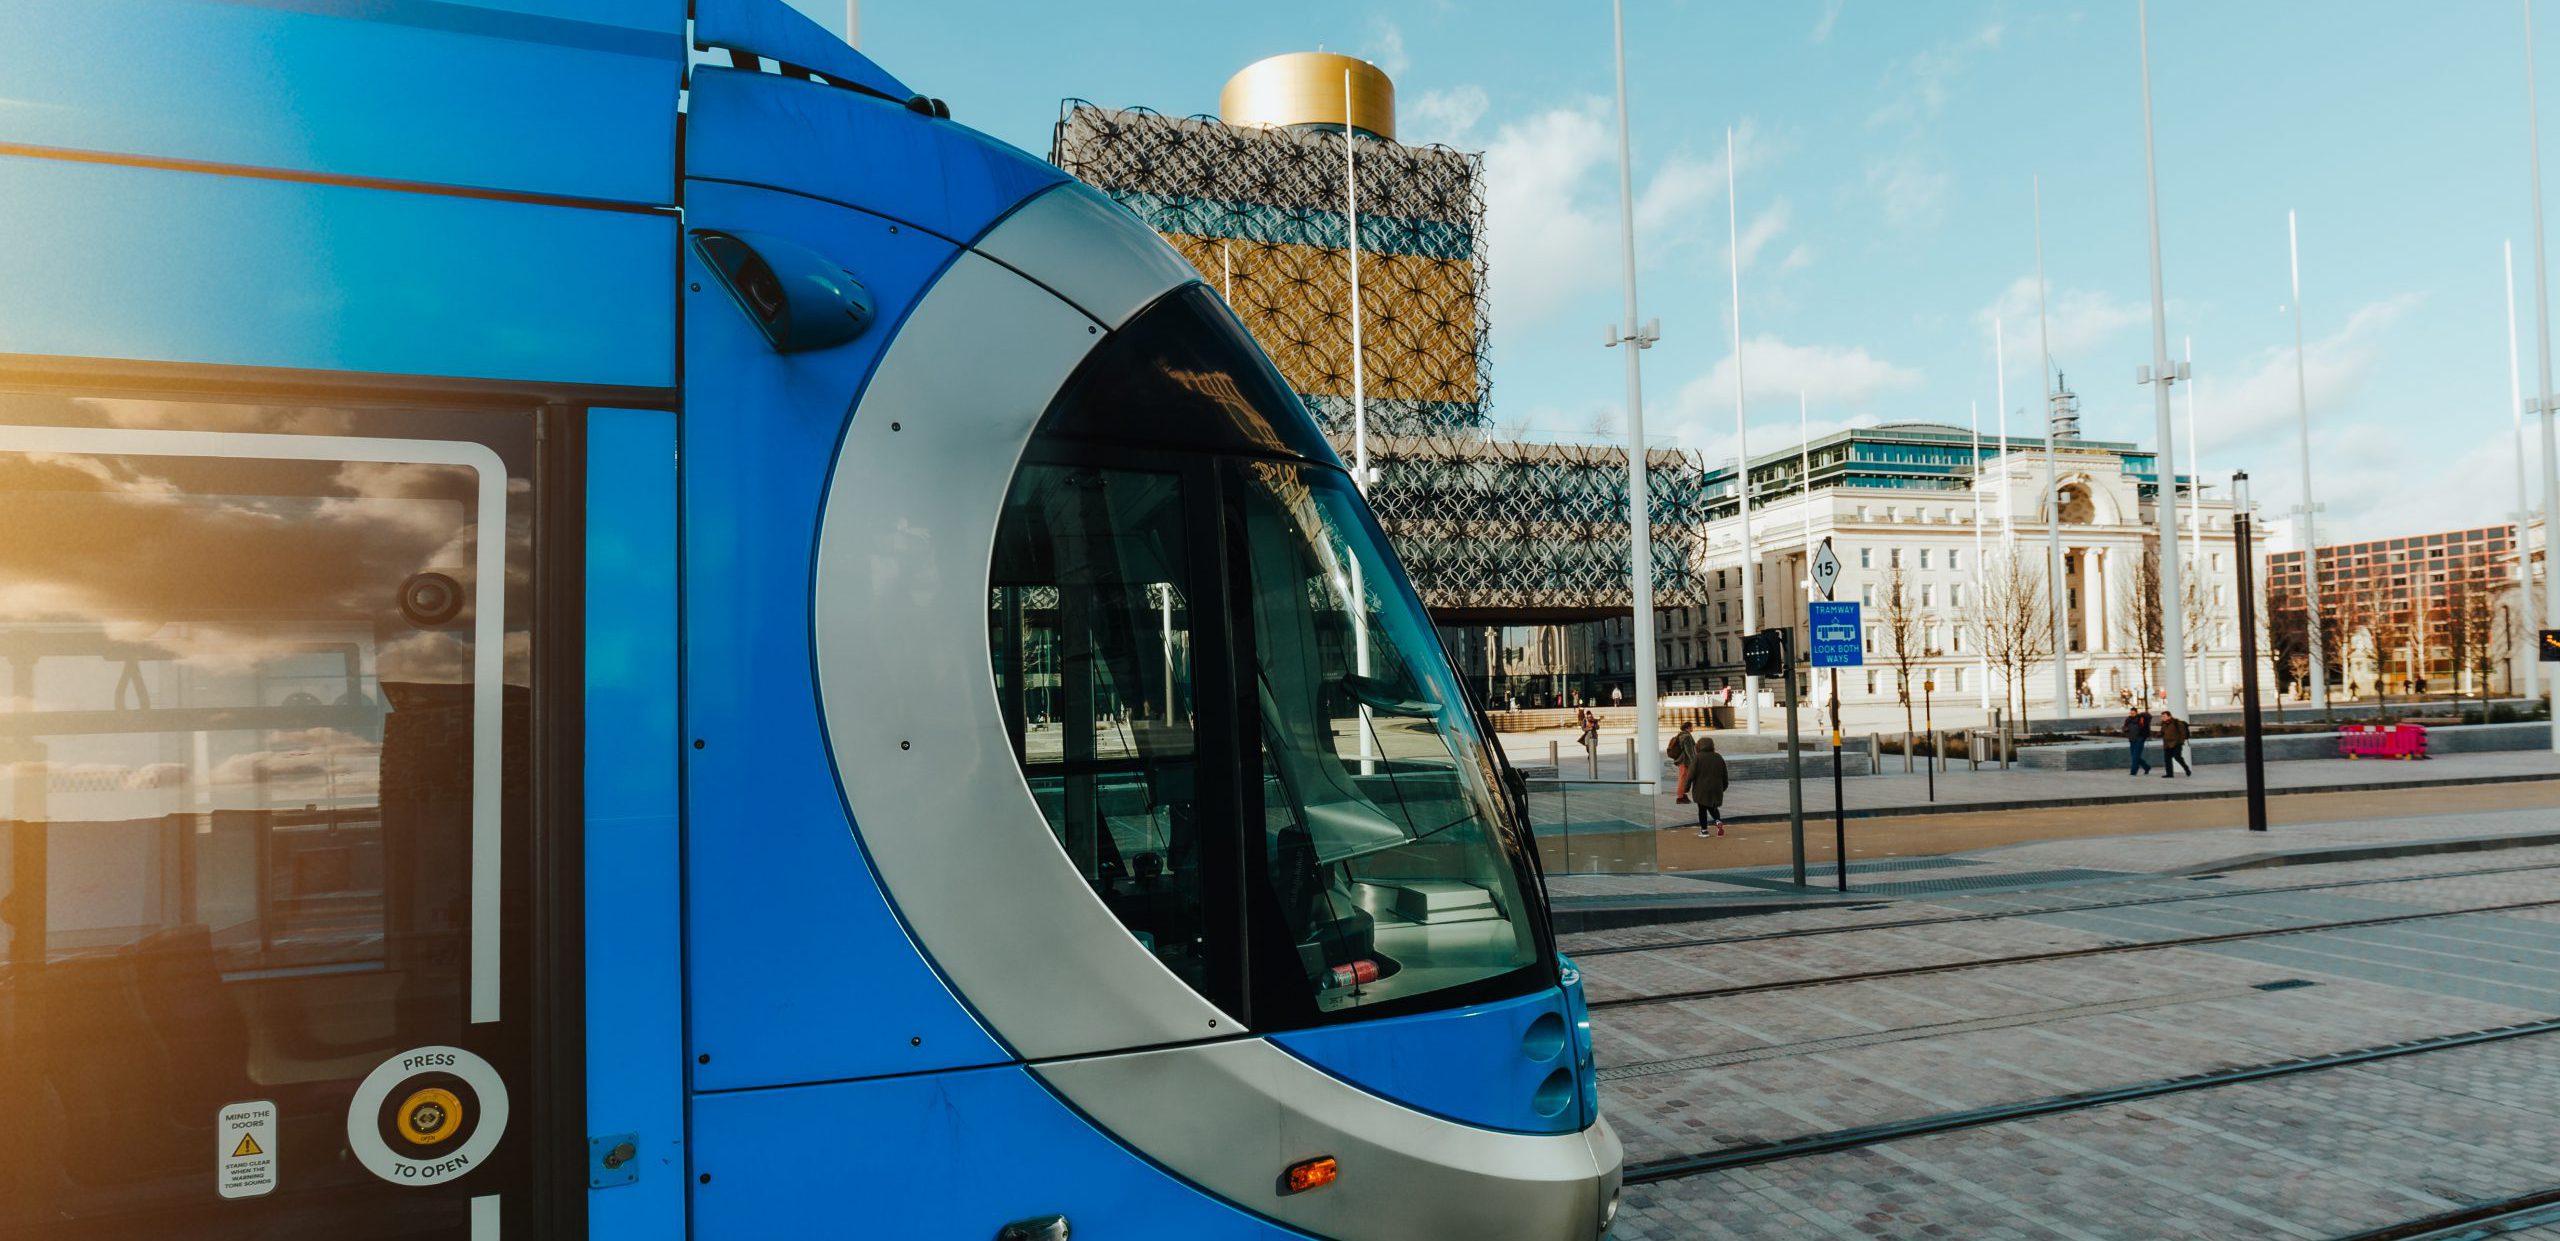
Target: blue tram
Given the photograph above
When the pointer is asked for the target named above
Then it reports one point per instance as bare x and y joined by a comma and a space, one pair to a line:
610, 626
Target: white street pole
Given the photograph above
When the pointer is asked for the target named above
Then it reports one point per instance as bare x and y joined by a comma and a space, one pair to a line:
2052, 488
2173, 648
1359, 420
2532, 658
2315, 641
1804, 486
1359, 385
1742, 437
1639, 495
2195, 517
1982, 651
853, 22
2000, 399
2542, 314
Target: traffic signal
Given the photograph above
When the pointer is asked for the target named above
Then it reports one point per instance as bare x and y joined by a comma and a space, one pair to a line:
1765, 654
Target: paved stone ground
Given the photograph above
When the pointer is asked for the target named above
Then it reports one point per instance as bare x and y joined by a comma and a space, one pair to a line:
2313, 1155
2146, 837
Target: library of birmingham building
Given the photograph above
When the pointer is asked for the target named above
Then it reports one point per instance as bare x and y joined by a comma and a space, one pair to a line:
1520, 549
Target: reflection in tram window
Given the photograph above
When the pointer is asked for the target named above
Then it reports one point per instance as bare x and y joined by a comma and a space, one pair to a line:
1091, 620
237, 762
1383, 853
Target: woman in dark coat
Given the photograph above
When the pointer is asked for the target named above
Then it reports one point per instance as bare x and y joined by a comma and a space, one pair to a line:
1707, 781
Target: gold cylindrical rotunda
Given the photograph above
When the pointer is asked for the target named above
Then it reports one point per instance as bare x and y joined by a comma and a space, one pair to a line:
1306, 88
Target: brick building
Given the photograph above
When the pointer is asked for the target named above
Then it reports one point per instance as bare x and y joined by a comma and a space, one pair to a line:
2410, 608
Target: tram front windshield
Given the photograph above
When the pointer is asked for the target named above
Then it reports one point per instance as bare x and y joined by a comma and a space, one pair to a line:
1231, 707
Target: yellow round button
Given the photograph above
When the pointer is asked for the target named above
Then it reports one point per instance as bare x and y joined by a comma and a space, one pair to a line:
430, 1116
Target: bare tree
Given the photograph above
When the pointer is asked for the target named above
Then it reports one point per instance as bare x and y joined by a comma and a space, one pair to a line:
2139, 624
2011, 615
2388, 625
2469, 623
2203, 625
1905, 626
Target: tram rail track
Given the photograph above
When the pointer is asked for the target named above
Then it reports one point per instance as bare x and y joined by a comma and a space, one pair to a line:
2478, 1221
1680, 1166
1605, 950
2058, 954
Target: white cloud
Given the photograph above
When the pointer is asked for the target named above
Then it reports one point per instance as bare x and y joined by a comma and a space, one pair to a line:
1911, 192
1386, 47
1444, 116
2257, 397
1917, 87
1773, 373
1798, 258
1763, 229
1830, 17
2078, 322
1551, 215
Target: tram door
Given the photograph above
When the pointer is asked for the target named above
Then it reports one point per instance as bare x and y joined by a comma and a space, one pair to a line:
270, 801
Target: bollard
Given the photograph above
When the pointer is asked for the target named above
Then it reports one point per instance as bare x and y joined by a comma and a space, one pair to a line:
1875, 755
1631, 758
1554, 762
1973, 749
1907, 768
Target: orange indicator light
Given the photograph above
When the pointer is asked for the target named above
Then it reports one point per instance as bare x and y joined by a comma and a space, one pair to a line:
1309, 1174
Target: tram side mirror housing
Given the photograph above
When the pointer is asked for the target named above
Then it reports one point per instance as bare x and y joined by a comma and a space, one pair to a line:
800, 299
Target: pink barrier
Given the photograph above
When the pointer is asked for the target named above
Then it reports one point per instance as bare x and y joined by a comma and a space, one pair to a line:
2401, 741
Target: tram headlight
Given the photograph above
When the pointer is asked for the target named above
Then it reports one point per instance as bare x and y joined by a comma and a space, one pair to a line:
1609, 1210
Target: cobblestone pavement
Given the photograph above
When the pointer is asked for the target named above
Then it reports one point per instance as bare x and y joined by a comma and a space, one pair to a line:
1973, 850
1993, 787
2310, 1155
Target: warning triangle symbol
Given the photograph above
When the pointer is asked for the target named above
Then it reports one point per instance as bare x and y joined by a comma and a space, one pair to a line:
248, 1146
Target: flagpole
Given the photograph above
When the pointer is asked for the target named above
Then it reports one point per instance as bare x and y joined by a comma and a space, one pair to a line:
1359, 419
1639, 336
2195, 516
2524, 500
1742, 437
2052, 485
1981, 651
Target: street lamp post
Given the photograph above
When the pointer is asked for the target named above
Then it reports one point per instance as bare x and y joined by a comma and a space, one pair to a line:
2542, 343
2315, 642
2253, 754
1639, 497
2165, 373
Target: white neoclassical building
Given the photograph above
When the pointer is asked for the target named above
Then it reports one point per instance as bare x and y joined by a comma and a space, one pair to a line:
1922, 500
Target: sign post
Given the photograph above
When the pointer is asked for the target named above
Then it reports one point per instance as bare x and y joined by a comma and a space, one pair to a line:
1770, 653
1835, 631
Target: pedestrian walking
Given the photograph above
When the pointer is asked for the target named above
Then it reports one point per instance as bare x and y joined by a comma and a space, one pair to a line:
2137, 733
1707, 782
1678, 752
1616, 696
1590, 731
2173, 745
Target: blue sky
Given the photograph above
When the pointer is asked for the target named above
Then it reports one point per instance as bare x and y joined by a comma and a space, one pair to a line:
1886, 151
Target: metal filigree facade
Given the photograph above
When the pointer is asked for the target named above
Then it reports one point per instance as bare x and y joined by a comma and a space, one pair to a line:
1491, 530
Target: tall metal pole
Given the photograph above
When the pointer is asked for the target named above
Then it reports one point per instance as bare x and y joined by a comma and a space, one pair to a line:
2195, 517
853, 22
1982, 650
2524, 498
2542, 343
2543, 351
1359, 420
1639, 495
2053, 591
2173, 638
2316, 639
2000, 399
1742, 438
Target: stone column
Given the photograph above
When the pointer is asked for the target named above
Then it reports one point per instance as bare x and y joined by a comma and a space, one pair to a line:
2093, 600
